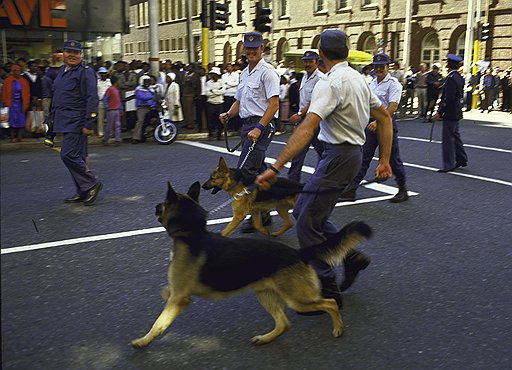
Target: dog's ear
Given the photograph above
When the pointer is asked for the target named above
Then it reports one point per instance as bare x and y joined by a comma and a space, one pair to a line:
172, 196
222, 165
194, 191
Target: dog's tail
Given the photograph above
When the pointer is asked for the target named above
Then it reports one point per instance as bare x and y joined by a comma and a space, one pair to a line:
336, 247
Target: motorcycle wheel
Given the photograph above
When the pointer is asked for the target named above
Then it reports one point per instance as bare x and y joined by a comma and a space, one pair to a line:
166, 132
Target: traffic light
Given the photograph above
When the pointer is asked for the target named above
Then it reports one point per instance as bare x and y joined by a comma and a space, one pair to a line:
218, 16
262, 20
485, 32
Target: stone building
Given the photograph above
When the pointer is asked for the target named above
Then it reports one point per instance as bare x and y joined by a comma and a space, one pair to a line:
437, 27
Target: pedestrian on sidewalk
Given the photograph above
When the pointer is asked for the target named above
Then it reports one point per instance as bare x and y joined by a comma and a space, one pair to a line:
113, 106
74, 112
214, 90
16, 96
450, 111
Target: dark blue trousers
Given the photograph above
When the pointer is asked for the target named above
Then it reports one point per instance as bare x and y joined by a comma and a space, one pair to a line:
296, 165
453, 149
73, 153
369, 147
337, 167
254, 164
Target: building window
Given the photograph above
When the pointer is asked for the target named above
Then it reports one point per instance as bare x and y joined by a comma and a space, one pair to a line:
239, 11
369, 45
195, 7
319, 6
430, 49
173, 44
370, 2
461, 44
179, 8
180, 43
283, 8
167, 45
342, 4
164, 10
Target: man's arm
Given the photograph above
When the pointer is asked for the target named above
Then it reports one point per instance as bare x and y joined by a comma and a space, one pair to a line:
299, 139
268, 115
233, 111
385, 137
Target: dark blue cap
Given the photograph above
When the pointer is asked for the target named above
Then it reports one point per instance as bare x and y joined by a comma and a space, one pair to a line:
381, 58
72, 45
310, 54
333, 39
253, 40
454, 58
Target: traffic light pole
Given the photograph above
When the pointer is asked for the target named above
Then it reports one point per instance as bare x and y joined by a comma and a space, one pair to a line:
204, 34
476, 50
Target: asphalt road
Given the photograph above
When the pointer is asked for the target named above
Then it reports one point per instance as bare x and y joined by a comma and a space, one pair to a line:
79, 283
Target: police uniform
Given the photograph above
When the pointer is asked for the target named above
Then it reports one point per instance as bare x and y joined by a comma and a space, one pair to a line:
256, 87
307, 85
450, 109
343, 100
74, 107
388, 90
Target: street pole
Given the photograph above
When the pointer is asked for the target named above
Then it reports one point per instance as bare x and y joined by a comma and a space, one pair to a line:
154, 60
476, 50
468, 43
190, 37
407, 36
204, 34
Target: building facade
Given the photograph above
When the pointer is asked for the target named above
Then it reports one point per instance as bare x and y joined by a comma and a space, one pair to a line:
437, 27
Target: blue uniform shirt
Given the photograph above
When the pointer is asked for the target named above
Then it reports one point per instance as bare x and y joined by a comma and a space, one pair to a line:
450, 107
75, 99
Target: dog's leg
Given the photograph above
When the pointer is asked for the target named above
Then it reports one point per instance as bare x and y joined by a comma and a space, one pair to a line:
237, 219
282, 210
172, 309
327, 305
256, 222
273, 304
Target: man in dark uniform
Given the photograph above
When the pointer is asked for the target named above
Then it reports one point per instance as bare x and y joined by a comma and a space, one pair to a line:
341, 105
450, 111
74, 111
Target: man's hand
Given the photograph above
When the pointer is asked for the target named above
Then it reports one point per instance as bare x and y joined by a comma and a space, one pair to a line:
295, 118
224, 117
265, 179
436, 117
372, 126
87, 132
254, 134
383, 172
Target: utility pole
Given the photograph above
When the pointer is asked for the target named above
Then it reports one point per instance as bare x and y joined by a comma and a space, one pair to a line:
204, 34
154, 59
407, 36
190, 37
470, 32
476, 50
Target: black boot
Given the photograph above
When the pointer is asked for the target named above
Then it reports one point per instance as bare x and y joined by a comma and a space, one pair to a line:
401, 196
354, 263
248, 227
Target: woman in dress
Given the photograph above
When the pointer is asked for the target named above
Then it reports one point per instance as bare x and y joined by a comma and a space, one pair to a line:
16, 96
172, 99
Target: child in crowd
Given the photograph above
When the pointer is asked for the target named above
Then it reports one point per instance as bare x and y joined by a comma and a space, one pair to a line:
112, 103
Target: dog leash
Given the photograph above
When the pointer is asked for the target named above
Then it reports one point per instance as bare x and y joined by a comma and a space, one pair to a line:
226, 139
246, 190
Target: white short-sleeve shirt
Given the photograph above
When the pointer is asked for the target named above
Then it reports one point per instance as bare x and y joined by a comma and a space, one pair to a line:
256, 88
389, 90
343, 100
307, 84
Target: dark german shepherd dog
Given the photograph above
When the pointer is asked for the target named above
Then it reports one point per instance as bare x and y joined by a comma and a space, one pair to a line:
233, 182
208, 265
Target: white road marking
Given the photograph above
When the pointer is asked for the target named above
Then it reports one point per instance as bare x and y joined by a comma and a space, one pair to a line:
466, 145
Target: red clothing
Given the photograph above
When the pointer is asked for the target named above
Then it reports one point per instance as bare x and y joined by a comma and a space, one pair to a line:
7, 92
112, 99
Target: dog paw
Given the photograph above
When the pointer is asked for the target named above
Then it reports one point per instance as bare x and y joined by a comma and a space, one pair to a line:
260, 340
337, 332
139, 343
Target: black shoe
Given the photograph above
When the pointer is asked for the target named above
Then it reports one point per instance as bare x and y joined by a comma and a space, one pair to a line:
348, 196
401, 196
74, 199
462, 164
446, 170
329, 290
91, 195
354, 263
248, 227
135, 141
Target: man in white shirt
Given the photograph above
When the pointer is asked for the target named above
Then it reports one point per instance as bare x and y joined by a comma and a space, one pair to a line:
103, 84
230, 80
341, 105
215, 99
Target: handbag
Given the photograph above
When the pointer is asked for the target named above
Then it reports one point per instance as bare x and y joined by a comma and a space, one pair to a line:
35, 122
4, 117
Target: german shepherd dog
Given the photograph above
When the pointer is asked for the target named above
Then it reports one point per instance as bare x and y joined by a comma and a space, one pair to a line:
230, 180
211, 266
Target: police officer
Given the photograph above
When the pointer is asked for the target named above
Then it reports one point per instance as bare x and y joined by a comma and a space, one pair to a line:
389, 90
308, 82
341, 105
450, 111
74, 110
257, 104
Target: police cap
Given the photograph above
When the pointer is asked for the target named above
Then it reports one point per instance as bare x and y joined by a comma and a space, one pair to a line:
454, 58
253, 40
310, 54
381, 58
72, 45
333, 39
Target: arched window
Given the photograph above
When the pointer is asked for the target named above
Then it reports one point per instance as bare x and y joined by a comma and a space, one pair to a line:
369, 44
430, 49
227, 58
239, 50
316, 42
282, 47
461, 44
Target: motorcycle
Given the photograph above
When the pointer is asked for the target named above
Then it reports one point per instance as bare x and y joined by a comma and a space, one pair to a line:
160, 126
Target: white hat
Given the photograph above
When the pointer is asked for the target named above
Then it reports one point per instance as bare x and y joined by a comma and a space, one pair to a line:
216, 70
102, 70
437, 65
171, 75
